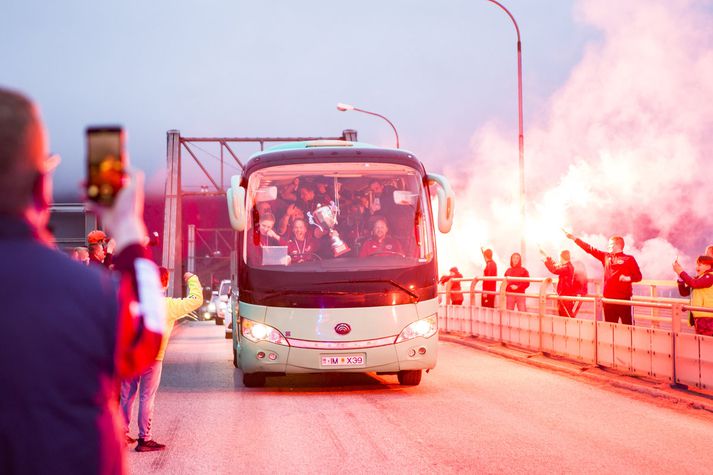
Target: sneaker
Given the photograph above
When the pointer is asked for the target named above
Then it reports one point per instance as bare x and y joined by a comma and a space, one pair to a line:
149, 446
129, 440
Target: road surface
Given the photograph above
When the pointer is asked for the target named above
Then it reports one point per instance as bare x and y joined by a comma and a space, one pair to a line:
475, 413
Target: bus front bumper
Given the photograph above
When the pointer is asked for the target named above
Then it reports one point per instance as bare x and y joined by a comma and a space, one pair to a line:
266, 357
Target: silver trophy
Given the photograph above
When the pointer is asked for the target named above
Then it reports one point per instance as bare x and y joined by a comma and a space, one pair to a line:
325, 217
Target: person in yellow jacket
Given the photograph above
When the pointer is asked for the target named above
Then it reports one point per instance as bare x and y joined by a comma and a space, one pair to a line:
700, 288
146, 384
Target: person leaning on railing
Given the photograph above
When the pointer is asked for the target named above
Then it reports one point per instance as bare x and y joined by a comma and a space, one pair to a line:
700, 288
456, 293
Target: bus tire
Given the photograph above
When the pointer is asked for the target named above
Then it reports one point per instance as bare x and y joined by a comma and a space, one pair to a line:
410, 377
253, 380
235, 357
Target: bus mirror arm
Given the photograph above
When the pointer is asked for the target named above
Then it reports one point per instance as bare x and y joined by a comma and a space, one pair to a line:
236, 204
446, 201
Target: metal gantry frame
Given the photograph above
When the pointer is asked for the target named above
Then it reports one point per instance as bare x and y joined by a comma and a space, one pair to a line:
172, 257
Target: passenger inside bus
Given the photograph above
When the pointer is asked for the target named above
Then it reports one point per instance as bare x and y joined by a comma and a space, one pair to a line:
301, 247
262, 236
369, 221
381, 242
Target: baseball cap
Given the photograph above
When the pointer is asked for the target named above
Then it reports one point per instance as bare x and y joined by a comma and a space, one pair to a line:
96, 236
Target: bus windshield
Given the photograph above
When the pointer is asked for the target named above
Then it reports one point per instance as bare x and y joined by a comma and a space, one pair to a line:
337, 216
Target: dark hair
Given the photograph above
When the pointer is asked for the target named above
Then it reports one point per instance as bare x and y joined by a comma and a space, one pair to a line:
705, 260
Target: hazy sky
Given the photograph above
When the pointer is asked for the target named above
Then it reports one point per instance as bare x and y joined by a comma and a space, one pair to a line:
438, 70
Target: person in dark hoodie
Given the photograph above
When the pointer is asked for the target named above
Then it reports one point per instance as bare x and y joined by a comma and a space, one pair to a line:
456, 294
516, 287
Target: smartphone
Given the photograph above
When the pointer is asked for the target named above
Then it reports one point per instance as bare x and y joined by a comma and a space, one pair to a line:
106, 161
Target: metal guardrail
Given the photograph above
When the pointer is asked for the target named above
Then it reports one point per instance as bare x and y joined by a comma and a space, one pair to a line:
659, 344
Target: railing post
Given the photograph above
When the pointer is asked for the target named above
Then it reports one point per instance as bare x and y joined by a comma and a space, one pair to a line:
542, 307
675, 330
449, 284
471, 296
597, 306
597, 312
654, 310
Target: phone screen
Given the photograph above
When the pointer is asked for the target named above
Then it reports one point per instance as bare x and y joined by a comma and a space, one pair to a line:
105, 163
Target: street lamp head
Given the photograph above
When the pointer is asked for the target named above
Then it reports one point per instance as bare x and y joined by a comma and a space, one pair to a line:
344, 107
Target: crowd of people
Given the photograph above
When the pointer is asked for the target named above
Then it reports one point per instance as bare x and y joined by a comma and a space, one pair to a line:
620, 272
317, 220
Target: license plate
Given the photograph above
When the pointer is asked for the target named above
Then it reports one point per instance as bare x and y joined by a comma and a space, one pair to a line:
344, 360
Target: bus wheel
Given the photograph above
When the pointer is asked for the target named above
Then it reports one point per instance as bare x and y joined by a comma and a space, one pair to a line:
409, 377
235, 357
253, 380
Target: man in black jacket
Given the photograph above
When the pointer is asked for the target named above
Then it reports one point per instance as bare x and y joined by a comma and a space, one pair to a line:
64, 347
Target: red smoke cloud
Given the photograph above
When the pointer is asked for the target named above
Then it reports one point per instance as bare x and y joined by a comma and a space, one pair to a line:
623, 147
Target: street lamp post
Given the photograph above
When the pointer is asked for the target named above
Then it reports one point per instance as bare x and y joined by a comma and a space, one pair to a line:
348, 107
521, 137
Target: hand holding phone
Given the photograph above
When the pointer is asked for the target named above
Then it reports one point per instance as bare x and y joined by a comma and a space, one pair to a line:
106, 163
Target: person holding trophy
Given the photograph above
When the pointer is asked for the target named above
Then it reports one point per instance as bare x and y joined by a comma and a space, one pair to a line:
324, 218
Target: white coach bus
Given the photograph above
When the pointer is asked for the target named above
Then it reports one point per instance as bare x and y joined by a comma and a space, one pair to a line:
336, 262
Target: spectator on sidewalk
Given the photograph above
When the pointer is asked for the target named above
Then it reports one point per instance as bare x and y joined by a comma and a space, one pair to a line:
700, 288
518, 287
620, 271
81, 254
456, 292
491, 270
62, 360
146, 384
101, 248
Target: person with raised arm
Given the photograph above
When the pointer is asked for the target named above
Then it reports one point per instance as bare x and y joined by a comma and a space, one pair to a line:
61, 362
620, 271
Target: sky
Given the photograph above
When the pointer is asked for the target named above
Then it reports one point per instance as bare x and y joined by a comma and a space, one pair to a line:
609, 148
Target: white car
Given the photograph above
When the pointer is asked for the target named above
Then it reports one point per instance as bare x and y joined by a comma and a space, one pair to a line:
225, 307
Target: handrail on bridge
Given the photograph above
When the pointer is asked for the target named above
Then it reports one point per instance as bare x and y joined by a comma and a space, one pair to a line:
657, 344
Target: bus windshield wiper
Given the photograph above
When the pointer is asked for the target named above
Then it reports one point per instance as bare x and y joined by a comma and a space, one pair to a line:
282, 293
379, 281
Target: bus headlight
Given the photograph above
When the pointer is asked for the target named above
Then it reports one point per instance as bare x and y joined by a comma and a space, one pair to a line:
425, 328
257, 332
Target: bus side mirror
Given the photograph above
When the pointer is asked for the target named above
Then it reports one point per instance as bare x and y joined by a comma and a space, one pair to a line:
446, 201
236, 204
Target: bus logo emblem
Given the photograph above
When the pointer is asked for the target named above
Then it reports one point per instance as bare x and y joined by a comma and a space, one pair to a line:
342, 328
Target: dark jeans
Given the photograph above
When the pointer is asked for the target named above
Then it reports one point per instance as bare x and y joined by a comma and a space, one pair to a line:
613, 312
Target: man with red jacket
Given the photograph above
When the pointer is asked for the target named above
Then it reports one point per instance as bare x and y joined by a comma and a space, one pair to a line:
620, 271
565, 282
62, 355
491, 270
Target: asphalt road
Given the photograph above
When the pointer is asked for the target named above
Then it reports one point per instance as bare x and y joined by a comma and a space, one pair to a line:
475, 413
